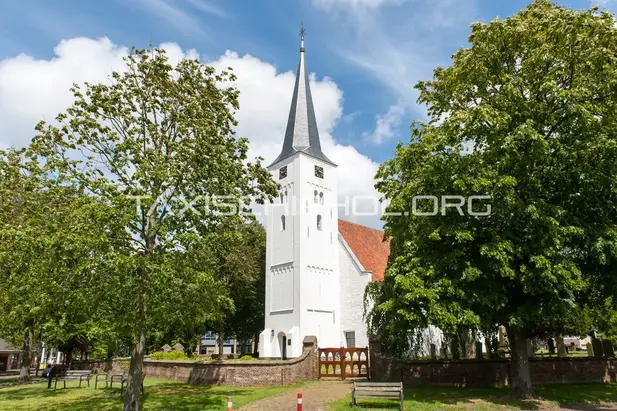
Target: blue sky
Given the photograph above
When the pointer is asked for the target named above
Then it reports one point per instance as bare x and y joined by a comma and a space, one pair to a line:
366, 54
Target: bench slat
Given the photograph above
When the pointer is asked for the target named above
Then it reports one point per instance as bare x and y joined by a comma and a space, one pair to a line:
395, 395
378, 384
382, 389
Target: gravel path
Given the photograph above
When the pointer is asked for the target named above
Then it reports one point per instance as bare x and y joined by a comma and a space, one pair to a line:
315, 397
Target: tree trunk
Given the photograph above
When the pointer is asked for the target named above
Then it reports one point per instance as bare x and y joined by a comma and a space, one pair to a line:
520, 377
68, 356
221, 344
133, 390
26, 355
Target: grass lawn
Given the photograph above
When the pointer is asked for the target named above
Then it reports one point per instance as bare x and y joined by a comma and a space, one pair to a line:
573, 396
160, 395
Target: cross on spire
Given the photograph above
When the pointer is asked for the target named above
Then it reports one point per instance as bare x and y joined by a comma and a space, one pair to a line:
302, 31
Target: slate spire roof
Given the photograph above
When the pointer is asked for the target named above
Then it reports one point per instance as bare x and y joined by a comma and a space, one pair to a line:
302, 134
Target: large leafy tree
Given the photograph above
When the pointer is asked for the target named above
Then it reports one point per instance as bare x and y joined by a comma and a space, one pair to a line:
242, 273
50, 243
156, 143
527, 114
239, 263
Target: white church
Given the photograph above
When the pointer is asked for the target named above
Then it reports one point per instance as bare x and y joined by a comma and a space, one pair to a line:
317, 266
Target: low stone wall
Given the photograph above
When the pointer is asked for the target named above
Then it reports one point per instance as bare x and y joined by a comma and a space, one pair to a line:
489, 373
231, 372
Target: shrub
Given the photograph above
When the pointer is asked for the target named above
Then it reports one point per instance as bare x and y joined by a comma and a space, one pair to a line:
125, 366
169, 356
247, 357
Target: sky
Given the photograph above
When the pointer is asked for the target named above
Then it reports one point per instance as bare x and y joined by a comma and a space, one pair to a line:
364, 56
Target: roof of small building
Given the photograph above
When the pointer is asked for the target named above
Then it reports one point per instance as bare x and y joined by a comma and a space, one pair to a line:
368, 246
5, 346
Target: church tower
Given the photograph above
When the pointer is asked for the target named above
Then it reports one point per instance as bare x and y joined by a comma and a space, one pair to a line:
302, 276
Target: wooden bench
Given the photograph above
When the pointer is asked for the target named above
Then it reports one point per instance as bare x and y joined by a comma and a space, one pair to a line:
392, 390
80, 375
110, 377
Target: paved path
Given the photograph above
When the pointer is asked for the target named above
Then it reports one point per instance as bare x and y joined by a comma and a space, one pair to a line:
315, 397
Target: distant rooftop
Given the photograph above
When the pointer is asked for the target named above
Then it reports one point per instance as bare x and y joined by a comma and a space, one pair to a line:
5, 346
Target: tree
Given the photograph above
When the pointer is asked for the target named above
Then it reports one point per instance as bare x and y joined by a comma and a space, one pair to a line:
527, 116
239, 264
47, 250
157, 144
242, 274
249, 296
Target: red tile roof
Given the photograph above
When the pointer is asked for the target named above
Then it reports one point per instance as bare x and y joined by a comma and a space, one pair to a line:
368, 246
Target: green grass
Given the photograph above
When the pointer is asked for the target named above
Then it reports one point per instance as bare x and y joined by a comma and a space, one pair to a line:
10, 381
485, 399
160, 395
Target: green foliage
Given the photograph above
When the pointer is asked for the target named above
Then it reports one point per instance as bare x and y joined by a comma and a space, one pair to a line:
241, 270
124, 366
169, 356
247, 358
526, 115
153, 140
49, 247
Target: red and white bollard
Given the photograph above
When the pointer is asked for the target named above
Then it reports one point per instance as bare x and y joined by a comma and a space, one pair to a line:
230, 405
299, 401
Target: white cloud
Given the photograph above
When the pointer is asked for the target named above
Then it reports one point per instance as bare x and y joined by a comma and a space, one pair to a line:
387, 124
33, 89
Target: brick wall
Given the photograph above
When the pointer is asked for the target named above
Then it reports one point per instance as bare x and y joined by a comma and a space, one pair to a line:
488, 373
230, 372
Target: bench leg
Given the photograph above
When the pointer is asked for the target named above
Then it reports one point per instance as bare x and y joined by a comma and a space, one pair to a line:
402, 403
56, 384
64, 383
79, 382
96, 381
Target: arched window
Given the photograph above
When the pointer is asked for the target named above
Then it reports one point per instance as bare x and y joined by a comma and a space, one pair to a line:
282, 198
320, 198
318, 222
307, 206
282, 223
316, 196
286, 198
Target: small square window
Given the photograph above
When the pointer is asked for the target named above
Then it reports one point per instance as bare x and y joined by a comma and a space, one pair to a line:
289, 341
318, 172
282, 172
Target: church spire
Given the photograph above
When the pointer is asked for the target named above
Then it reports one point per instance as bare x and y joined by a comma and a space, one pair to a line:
302, 134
